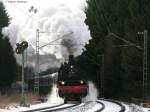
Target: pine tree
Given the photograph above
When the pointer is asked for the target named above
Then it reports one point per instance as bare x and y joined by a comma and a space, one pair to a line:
7, 60
123, 64
4, 19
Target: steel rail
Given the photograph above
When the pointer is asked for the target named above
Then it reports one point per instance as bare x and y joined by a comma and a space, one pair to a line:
116, 102
102, 108
62, 108
43, 108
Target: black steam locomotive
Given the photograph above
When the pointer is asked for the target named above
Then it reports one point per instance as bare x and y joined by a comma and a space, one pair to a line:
70, 86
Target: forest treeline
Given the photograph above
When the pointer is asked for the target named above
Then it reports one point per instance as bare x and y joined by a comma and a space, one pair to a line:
123, 63
7, 60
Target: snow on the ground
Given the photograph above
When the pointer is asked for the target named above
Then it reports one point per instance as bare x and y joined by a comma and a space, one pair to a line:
92, 106
136, 108
126, 107
146, 109
110, 107
89, 107
19, 108
59, 107
84, 107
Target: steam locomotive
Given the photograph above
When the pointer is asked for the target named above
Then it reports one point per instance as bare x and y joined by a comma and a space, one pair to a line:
70, 86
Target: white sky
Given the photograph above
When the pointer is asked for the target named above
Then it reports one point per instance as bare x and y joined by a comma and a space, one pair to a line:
19, 9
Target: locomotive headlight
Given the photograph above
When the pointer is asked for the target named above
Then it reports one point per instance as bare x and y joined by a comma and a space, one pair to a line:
81, 81
62, 82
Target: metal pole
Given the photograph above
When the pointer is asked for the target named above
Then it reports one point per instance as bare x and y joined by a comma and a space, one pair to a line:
36, 85
102, 77
145, 78
101, 84
22, 103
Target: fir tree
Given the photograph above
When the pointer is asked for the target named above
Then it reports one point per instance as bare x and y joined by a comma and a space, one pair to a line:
7, 60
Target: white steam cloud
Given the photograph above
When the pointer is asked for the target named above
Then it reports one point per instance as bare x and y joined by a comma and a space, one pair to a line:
54, 97
65, 22
91, 96
93, 93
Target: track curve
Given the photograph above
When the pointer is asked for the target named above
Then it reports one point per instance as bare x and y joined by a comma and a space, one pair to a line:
113, 103
103, 106
39, 109
91, 106
62, 108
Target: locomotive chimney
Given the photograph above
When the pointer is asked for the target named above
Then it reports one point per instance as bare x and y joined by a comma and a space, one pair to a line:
71, 59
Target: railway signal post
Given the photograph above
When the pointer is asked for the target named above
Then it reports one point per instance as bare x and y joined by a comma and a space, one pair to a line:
20, 50
145, 66
101, 84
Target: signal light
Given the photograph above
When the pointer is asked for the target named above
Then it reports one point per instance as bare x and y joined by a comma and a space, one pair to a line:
24, 44
17, 44
18, 49
21, 47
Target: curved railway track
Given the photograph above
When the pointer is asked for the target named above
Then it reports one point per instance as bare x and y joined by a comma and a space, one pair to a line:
60, 108
39, 109
73, 108
83, 107
102, 108
123, 109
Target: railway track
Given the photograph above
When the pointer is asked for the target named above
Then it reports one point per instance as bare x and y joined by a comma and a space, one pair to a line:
85, 107
123, 109
102, 108
60, 108
39, 109
97, 106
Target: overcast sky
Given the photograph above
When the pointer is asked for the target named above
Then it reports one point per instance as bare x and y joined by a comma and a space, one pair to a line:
19, 9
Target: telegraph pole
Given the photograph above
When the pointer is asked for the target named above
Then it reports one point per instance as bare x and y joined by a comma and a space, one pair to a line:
145, 67
145, 77
36, 82
101, 84
36, 76
37, 65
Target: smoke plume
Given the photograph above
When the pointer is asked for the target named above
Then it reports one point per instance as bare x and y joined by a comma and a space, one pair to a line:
62, 28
